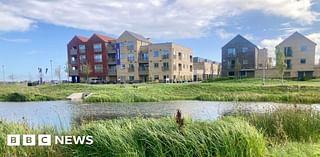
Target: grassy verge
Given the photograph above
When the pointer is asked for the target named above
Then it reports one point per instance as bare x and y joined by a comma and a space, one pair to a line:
224, 90
286, 132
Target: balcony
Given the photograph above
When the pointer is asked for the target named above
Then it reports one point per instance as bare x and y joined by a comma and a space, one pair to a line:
97, 50
143, 60
165, 68
112, 72
165, 56
130, 69
111, 61
73, 52
73, 72
74, 62
82, 50
143, 71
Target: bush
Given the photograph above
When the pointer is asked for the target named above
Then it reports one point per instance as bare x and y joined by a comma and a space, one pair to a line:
19, 97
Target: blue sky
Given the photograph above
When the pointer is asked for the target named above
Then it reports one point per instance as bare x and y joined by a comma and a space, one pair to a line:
33, 32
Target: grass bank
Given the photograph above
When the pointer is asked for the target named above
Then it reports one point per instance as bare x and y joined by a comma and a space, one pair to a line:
275, 134
224, 90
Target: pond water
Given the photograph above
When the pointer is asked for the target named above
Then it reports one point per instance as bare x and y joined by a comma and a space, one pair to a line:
64, 114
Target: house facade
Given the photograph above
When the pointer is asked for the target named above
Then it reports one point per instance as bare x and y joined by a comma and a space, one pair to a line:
299, 52
204, 69
130, 58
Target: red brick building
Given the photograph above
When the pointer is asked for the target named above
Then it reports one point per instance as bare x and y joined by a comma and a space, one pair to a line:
95, 55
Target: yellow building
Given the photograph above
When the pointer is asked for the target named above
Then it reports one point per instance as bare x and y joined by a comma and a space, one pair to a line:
204, 69
142, 61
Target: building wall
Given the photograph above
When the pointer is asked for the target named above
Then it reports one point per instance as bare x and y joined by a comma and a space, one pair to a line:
247, 59
205, 70
296, 41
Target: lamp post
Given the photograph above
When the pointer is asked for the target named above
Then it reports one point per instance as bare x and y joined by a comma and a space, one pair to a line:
3, 74
51, 70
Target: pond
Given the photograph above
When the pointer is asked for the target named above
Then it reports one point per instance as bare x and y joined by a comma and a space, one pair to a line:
63, 114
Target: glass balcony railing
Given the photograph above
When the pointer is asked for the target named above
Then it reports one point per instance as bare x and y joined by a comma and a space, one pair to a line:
73, 51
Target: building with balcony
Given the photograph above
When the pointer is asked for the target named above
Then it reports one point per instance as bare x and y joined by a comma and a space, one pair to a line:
299, 52
130, 58
204, 69
240, 57
88, 57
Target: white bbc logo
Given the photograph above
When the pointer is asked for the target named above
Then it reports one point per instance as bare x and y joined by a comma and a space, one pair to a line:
28, 140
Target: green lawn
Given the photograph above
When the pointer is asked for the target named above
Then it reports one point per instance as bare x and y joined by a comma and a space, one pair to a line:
227, 90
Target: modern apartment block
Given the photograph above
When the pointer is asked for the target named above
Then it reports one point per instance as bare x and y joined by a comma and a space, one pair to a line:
132, 58
244, 54
204, 69
299, 54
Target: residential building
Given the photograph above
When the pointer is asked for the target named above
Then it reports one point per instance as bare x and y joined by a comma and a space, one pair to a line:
299, 52
204, 69
240, 57
88, 57
130, 58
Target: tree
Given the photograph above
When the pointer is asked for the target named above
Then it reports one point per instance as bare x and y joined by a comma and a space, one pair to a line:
86, 70
281, 65
237, 67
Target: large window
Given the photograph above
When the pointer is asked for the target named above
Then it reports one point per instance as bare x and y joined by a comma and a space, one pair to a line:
231, 52
165, 66
131, 57
97, 47
131, 68
244, 49
83, 58
288, 51
82, 48
289, 65
130, 45
165, 54
98, 68
131, 78
98, 58
155, 53
156, 65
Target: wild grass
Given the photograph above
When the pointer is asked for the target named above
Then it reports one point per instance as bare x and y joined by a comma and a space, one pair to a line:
306, 92
287, 124
228, 137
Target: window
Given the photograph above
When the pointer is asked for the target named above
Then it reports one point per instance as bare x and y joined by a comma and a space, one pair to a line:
244, 49
123, 66
245, 61
73, 59
231, 52
288, 52
82, 48
156, 77
98, 68
303, 48
165, 54
191, 68
303, 61
289, 65
98, 58
165, 66
83, 58
231, 73
74, 68
131, 57
130, 45
131, 68
156, 65
122, 56
97, 47
286, 74
131, 78
155, 53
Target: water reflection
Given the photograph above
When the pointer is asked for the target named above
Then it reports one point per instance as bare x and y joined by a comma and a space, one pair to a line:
62, 114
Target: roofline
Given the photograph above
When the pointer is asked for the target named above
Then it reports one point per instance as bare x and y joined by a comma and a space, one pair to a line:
241, 37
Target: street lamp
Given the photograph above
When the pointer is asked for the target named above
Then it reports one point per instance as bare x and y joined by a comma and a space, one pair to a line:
3, 74
51, 70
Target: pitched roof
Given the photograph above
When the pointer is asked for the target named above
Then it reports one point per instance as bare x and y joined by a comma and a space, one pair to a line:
242, 38
103, 37
138, 36
298, 34
82, 38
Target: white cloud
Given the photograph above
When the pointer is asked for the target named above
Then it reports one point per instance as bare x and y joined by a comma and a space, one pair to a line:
270, 44
316, 38
15, 40
222, 33
154, 18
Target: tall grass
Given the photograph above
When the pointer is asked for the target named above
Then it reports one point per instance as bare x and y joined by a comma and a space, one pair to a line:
162, 137
294, 124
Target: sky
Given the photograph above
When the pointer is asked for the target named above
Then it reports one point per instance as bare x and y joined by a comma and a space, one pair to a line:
33, 32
